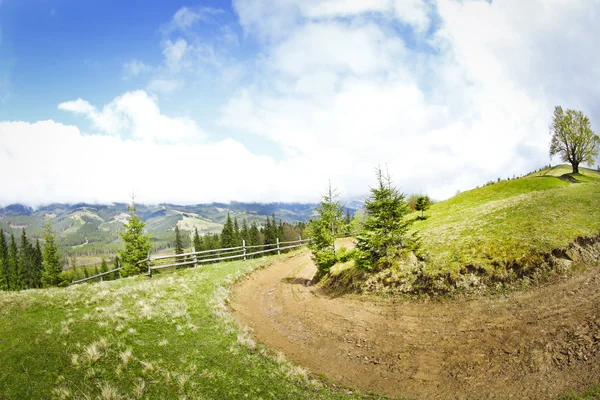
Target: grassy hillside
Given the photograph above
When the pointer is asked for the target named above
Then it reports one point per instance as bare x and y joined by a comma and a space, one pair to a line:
166, 337
511, 219
495, 235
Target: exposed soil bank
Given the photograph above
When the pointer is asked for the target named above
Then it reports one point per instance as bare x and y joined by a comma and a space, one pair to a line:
534, 344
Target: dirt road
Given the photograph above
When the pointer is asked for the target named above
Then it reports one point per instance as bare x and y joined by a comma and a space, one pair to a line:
534, 344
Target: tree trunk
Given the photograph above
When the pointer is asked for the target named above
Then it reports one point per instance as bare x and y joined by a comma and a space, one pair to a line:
575, 168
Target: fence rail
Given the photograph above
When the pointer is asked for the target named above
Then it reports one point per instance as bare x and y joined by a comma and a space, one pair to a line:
206, 256
241, 250
96, 276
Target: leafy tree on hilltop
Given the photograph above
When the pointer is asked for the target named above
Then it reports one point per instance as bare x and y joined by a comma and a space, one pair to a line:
178, 244
323, 231
572, 138
137, 245
384, 235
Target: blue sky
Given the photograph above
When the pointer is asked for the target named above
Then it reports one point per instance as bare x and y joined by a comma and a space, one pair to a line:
448, 94
54, 51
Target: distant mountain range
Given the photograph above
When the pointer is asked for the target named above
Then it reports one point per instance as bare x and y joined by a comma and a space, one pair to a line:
85, 229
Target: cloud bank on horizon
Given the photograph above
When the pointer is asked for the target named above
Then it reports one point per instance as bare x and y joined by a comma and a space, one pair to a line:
448, 94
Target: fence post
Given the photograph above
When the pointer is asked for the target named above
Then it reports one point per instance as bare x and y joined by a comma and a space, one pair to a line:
195, 257
278, 251
119, 267
244, 247
149, 265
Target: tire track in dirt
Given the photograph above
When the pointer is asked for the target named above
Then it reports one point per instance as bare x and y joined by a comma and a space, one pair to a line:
534, 344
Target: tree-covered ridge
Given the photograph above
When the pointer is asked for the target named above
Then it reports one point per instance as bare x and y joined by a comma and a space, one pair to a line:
90, 232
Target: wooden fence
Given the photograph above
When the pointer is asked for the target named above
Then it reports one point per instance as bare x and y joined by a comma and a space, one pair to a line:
199, 257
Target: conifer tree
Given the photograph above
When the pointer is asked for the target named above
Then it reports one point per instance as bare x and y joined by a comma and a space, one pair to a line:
96, 271
116, 265
13, 264
103, 266
384, 235
237, 241
227, 233
323, 231
422, 204
244, 233
4, 271
38, 264
197, 241
74, 268
254, 236
269, 237
25, 269
137, 245
280, 230
178, 244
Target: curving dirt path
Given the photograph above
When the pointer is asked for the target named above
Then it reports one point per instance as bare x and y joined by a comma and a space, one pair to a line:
536, 344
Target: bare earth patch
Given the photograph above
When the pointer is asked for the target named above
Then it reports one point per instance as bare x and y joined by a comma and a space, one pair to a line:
535, 344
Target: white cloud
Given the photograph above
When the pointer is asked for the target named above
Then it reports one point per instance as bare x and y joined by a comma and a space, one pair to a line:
135, 68
271, 20
336, 46
78, 106
342, 86
413, 12
164, 86
468, 104
185, 18
73, 167
136, 115
175, 53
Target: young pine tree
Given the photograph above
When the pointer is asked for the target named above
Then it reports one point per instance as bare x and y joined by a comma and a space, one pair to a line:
137, 245
254, 236
13, 264
244, 233
197, 241
116, 266
4, 271
227, 234
38, 263
25, 270
103, 266
280, 230
267, 232
384, 235
178, 244
422, 204
323, 231
236, 233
